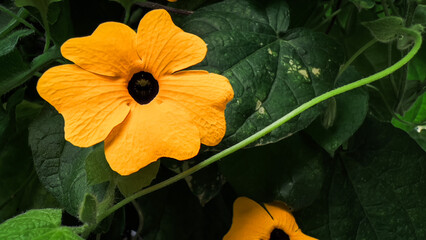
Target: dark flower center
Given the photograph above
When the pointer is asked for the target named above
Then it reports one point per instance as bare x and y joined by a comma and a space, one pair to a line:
143, 87
278, 234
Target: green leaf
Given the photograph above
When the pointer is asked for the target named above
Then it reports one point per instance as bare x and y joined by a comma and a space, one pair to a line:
36, 224
89, 209
189, 4
60, 233
416, 69
16, 171
376, 190
127, 3
41, 5
97, 168
138, 180
386, 29
290, 171
8, 23
25, 113
16, 98
4, 122
19, 184
364, 4
12, 67
272, 69
351, 110
15, 71
414, 121
60, 165
8, 44
59, 16
205, 184
420, 15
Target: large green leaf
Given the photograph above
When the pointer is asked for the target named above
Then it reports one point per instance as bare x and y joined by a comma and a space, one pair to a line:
8, 44
376, 190
60, 165
290, 171
43, 224
16, 171
346, 115
272, 69
20, 188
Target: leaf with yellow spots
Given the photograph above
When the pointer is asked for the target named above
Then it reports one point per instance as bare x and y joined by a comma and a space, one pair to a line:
272, 69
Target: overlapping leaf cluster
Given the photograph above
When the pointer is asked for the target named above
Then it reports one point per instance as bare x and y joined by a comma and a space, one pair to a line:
352, 167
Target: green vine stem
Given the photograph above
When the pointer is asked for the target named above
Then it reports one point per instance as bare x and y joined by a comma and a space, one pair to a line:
417, 43
19, 17
126, 14
327, 19
153, 5
38, 63
141, 219
47, 33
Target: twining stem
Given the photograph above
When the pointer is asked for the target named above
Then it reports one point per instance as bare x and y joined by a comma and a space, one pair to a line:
391, 111
271, 127
359, 52
141, 219
153, 5
20, 17
391, 76
127, 14
327, 19
47, 33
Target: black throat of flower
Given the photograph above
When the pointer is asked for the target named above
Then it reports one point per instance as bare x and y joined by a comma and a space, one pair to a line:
143, 87
278, 234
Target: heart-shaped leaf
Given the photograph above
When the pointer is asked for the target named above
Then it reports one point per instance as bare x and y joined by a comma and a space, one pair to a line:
272, 69
60, 165
375, 189
42, 224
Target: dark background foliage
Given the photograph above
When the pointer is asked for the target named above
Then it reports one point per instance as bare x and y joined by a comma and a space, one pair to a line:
352, 167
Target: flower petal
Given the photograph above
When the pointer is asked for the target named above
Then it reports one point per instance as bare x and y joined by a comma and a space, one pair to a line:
285, 221
164, 48
149, 132
250, 221
92, 105
109, 51
204, 95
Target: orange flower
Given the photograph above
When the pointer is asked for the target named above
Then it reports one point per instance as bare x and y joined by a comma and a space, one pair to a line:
252, 222
127, 89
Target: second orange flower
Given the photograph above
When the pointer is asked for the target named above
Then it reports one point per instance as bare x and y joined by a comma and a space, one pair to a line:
127, 89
